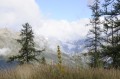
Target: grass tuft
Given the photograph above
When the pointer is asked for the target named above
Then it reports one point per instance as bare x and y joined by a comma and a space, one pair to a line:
53, 72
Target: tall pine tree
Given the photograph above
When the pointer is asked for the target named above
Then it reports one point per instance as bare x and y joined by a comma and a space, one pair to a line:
27, 53
94, 39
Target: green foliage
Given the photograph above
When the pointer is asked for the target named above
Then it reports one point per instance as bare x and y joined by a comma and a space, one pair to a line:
43, 60
94, 37
59, 57
111, 48
27, 53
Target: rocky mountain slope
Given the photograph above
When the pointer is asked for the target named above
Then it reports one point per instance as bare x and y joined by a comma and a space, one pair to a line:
9, 46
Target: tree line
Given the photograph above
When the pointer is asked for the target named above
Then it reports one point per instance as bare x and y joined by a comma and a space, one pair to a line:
103, 40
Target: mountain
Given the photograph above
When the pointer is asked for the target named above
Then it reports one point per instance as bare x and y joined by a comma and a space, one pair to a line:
72, 47
9, 46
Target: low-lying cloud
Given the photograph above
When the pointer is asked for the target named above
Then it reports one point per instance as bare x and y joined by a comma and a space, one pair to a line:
14, 13
64, 30
4, 51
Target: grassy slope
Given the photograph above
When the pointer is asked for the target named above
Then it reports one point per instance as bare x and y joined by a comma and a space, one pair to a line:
52, 72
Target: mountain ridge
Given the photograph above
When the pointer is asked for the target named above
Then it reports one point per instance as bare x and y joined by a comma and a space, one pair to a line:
9, 47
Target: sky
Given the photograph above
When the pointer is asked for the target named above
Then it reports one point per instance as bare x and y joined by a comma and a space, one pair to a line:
63, 20
65, 9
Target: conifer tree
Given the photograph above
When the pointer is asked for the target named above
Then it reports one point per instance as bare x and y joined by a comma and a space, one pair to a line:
43, 60
27, 53
111, 49
94, 38
59, 57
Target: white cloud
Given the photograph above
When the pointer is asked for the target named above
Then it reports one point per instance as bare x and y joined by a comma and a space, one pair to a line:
4, 51
14, 13
64, 30
90, 2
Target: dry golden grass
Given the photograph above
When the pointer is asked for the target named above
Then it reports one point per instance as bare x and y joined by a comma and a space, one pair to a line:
52, 72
